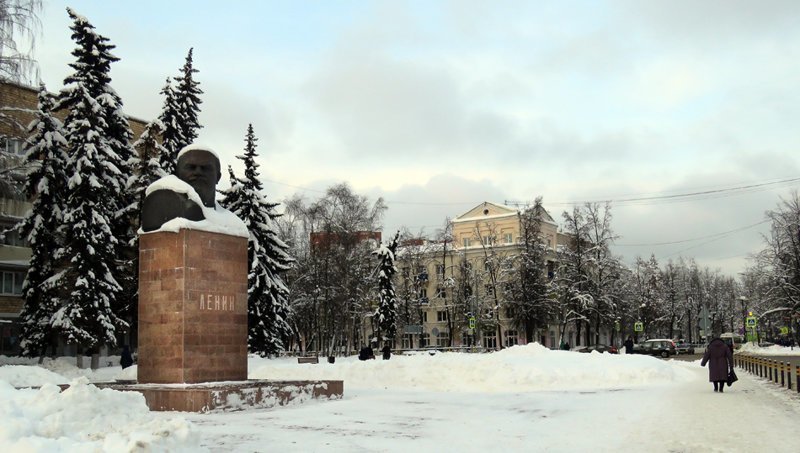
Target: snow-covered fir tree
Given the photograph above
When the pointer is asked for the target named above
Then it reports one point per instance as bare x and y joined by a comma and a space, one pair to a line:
146, 169
146, 166
179, 115
172, 137
268, 307
96, 173
232, 196
125, 222
387, 302
44, 185
187, 97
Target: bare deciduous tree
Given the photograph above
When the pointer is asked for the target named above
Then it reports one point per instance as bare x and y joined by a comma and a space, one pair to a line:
19, 22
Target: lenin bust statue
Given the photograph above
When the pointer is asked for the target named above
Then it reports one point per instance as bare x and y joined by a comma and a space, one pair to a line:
197, 166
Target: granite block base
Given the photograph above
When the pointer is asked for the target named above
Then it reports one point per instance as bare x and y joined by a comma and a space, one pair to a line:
231, 396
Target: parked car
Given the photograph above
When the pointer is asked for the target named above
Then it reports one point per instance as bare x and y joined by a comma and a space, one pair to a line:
596, 347
657, 346
684, 348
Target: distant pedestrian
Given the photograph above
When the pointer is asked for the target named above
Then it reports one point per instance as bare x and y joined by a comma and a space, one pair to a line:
126, 359
366, 353
629, 345
387, 352
720, 362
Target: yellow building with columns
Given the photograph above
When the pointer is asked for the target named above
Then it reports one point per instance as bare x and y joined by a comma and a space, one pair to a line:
451, 289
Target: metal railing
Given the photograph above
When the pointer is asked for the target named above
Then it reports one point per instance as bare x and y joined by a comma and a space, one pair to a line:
781, 373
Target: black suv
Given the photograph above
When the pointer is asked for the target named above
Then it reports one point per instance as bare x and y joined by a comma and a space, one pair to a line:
658, 346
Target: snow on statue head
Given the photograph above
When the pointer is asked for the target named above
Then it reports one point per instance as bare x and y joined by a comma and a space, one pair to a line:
199, 167
188, 195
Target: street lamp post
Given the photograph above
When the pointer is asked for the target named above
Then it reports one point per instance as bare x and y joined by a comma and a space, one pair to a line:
743, 300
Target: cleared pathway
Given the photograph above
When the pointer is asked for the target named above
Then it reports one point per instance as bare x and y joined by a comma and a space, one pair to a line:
751, 416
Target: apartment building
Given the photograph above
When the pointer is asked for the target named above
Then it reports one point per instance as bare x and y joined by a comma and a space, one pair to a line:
18, 106
434, 274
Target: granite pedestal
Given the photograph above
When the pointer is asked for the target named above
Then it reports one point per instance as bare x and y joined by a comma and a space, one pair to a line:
192, 307
193, 328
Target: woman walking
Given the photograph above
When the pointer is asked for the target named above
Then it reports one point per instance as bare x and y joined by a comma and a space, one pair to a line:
720, 362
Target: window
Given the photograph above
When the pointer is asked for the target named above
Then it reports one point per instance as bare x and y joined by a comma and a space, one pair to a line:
466, 339
440, 270
467, 242
511, 338
406, 272
408, 340
487, 266
552, 340
10, 344
490, 340
424, 316
11, 237
11, 146
423, 295
489, 290
425, 340
441, 316
508, 238
443, 340
467, 291
12, 282
488, 240
551, 270
441, 292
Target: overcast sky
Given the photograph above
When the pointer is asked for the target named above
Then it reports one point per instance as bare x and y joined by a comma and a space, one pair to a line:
439, 105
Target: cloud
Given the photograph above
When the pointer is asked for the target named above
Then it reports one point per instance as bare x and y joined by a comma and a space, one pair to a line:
378, 105
712, 22
425, 207
461, 102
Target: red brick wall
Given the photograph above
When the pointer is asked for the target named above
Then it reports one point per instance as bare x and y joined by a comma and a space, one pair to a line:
20, 103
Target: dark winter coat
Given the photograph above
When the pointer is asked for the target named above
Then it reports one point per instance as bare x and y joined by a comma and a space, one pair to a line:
720, 360
126, 359
387, 352
628, 346
366, 353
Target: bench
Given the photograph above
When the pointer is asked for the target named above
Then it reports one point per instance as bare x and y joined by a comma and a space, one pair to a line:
308, 360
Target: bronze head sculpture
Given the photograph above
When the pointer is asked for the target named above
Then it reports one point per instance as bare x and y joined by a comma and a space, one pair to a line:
198, 167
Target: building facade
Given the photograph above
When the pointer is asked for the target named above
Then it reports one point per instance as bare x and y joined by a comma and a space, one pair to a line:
450, 291
18, 106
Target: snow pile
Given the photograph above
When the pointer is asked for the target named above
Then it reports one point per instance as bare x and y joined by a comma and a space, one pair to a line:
28, 376
85, 418
60, 370
217, 220
752, 348
518, 369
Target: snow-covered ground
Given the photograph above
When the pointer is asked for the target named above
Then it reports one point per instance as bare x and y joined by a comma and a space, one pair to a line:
751, 348
525, 398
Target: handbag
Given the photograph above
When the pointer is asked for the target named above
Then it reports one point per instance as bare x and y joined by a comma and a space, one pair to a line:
732, 378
